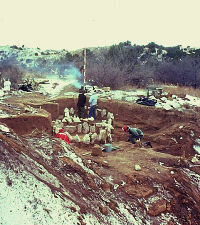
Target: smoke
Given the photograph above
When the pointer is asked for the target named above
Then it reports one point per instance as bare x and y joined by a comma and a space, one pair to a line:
54, 68
74, 76
66, 72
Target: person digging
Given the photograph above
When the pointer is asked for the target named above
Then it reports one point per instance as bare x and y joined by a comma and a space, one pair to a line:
135, 134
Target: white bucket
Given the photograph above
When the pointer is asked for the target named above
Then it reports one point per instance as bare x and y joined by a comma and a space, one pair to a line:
108, 147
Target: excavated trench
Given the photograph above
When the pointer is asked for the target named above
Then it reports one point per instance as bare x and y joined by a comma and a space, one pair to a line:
164, 189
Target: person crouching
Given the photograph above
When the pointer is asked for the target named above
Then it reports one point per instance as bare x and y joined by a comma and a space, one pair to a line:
135, 134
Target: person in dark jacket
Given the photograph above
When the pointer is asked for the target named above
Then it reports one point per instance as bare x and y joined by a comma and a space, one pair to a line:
134, 134
81, 103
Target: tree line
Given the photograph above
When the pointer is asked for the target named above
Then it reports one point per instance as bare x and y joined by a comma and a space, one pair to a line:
127, 64
117, 65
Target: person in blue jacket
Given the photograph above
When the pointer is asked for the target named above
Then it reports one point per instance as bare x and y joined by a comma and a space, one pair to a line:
93, 105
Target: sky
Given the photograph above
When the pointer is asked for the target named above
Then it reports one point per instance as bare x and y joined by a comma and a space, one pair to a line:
75, 24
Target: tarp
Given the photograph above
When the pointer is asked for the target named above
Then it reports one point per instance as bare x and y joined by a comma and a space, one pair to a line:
146, 101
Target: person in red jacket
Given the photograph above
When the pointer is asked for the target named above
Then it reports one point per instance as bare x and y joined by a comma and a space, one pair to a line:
63, 136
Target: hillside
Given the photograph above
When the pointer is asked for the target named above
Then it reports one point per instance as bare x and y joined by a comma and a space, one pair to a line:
127, 64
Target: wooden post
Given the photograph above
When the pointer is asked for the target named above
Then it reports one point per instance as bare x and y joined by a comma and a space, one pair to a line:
84, 68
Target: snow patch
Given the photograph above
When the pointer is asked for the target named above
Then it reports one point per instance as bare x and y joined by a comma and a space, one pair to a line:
26, 201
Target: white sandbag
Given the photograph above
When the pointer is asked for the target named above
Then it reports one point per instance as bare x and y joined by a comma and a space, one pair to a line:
79, 128
110, 121
69, 119
92, 129
77, 139
86, 139
93, 138
71, 111
102, 136
110, 116
86, 128
66, 110
76, 119
7, 85
110, 138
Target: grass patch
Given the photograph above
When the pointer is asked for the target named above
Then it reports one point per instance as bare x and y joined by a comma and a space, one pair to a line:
182, 90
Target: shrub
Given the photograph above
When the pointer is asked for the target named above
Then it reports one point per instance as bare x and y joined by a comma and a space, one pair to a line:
10, 70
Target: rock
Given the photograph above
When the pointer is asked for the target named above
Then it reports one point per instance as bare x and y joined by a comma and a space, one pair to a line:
73, 209
2, 93
98, 124
139, 191
103, 113
106, 186
8, 181
195, 159
110, 116
137, 167
79, 127
103, 210
106, 89
96, 151
92, 184
70, 129
157, 207
4, 128
113, 205
197, 149
85, 128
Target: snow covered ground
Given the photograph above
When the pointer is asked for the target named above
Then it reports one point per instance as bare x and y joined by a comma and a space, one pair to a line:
130, 96
54, 86
26, 201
